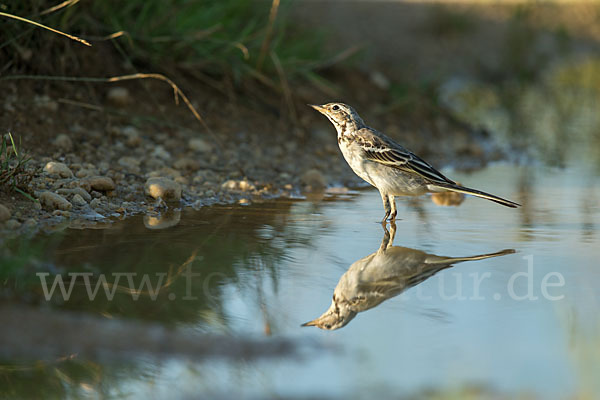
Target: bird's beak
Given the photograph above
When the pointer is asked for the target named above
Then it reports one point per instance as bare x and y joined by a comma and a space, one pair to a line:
320, 109
311, 323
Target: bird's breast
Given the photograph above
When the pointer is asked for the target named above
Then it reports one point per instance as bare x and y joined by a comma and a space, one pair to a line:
355, 158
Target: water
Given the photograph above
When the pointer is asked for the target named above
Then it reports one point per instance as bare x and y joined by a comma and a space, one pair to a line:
266, 269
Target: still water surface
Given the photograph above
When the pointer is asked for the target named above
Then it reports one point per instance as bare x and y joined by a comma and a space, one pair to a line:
530, 326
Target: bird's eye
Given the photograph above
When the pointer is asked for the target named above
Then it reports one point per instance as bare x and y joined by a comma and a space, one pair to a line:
335, 108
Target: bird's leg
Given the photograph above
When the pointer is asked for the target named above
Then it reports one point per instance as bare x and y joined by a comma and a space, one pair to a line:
388, 236
386, 206
393, 207
392, 232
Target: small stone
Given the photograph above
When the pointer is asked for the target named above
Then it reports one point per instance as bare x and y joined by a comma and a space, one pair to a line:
160, 152
75, 191
54, 201
30, 223
182, 180
338, 190
131, 163
12, 224
85, 172
78, 201
4, 213
164, 172
313, 180
100, 183
188, 164
58, 169
244, 202
61, 213
103, 165
119, 96
133, 136
95, 203
238, 186
164, 188
200, 145
46, 103
63, 142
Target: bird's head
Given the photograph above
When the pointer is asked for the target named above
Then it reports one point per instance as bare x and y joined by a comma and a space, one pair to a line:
336, 317
341, 115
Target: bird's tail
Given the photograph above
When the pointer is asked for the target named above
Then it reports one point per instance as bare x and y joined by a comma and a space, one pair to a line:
454, 260
461, 189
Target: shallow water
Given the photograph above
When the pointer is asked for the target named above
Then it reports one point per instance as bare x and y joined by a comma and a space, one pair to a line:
264, 270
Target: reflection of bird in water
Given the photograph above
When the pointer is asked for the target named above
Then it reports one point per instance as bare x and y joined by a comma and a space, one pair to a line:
382, 275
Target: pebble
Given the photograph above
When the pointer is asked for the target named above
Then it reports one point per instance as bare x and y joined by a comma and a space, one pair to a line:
54, 201
30, 223
160, 152
164, 188
131, 163
12, 224
100, 183
188, 164
313, 180
75, 191
63, 142
200, 145
182, 180
58, 169
95, 203
46, 103
119, 96
164, 172
4, 213
133, 136
61, 213
78, 201
238, 186
85, 172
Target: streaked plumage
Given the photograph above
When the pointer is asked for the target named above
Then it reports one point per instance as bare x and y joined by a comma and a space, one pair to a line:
391, 168
382, 275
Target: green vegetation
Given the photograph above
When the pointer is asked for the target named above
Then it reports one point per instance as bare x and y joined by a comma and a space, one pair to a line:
13, 176
236, 38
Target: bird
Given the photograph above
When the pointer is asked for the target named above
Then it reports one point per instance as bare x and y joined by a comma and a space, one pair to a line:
385, 164
382, 275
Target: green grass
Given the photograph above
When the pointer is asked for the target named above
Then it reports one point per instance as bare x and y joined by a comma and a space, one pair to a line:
236, 38
12, 166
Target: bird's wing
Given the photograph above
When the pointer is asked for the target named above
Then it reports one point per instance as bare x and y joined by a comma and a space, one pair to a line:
381, 149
